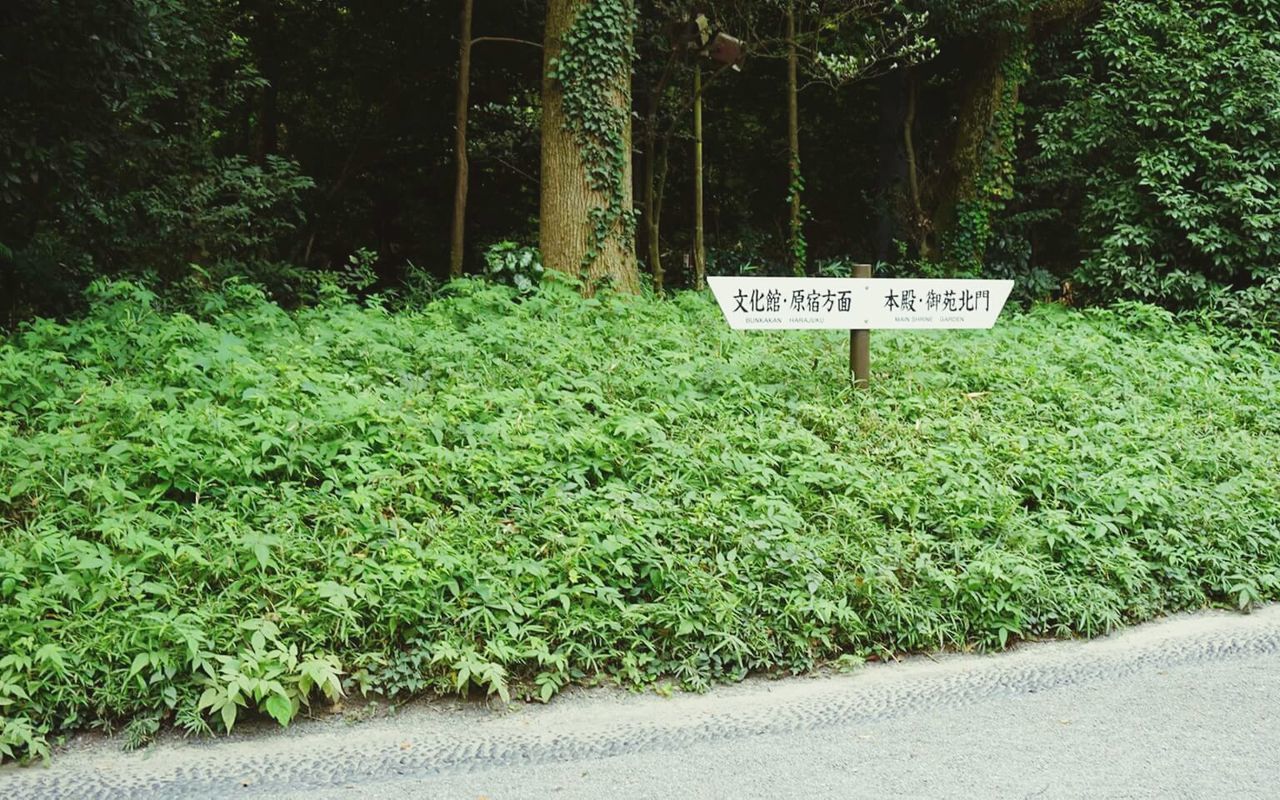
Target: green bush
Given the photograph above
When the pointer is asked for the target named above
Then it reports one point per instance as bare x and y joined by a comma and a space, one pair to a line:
243, 510
511, 263
1169, 133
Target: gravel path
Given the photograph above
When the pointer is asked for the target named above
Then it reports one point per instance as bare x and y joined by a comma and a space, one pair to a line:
1187, 707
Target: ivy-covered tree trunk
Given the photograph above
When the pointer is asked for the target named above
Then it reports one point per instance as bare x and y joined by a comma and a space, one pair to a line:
587, 225
977, 177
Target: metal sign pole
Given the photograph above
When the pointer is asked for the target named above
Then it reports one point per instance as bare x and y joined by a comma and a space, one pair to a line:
860, 343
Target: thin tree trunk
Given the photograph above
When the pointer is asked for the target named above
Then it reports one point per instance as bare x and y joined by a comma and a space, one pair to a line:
699, 250
457, 242
891, 169
919, 222
660, 191
651, 227
568, 200
796, 227
652, 213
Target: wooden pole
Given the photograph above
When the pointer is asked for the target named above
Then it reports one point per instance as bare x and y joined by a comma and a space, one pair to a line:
860, 343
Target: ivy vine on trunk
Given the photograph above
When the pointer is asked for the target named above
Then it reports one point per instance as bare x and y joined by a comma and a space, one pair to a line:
587, 95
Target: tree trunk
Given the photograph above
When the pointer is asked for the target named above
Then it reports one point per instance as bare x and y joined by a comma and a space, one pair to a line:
651, 228
796, 227
989, 98
267, 140
891, 169
699, 250
457, 242
570, 206
919, 224
652, 202
660, 191
983, 99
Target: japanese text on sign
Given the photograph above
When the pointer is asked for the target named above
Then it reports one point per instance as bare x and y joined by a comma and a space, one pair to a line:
858, 303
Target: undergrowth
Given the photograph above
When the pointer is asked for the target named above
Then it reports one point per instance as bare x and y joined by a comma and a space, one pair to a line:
241, 510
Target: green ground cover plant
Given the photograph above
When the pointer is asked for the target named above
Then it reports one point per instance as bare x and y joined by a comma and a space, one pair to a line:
240, 510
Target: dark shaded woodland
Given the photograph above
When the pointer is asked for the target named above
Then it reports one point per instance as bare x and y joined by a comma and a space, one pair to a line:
277, 140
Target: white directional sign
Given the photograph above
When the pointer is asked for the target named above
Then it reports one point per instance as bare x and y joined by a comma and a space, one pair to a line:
858, 303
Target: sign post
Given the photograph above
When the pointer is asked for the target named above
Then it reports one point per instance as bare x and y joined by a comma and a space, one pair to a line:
860, 342
858, 305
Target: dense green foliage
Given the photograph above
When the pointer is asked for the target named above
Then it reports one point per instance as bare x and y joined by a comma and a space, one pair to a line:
235, 507
1170, 131
272, 139
115, 153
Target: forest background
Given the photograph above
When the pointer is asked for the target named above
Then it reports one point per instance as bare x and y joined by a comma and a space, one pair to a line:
1091, 150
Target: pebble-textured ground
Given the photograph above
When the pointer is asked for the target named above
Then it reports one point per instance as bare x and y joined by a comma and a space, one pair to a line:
1186, 707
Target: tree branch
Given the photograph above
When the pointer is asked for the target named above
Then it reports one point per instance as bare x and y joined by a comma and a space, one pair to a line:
507, 39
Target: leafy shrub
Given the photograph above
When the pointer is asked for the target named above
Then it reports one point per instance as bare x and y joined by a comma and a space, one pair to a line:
1170, 130
241, 510
227, 217
235, 210
514, 265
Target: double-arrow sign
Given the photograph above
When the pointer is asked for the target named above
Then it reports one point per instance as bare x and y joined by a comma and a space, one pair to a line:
858, 305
